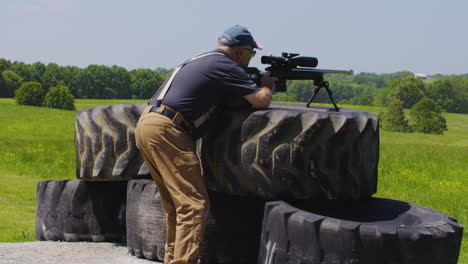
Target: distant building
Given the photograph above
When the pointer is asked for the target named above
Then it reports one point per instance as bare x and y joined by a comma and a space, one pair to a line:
421, 76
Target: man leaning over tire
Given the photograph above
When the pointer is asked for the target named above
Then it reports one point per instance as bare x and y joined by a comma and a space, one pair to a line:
176, 116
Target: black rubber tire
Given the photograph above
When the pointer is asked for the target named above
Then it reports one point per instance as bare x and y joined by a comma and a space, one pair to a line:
81, 211
146, 230
292, 152
287, 151
232, 233
366, 232
105, 145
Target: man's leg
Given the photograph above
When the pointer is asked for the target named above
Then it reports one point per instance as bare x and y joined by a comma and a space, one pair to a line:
173, 153
169, 210
181, 172
142, 139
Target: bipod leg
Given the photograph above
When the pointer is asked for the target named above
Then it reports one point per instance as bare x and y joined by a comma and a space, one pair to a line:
316, 90
329, 92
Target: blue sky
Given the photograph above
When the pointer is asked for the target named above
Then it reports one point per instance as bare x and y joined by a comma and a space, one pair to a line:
367, 36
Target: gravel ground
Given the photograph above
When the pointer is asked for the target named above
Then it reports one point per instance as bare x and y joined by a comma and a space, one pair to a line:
48, 252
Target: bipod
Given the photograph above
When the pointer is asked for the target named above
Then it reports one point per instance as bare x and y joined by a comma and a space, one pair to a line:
319, 85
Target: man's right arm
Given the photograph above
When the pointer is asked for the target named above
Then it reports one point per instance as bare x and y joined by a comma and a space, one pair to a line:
262, 98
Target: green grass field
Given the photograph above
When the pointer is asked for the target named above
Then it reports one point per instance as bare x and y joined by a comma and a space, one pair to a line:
36, 144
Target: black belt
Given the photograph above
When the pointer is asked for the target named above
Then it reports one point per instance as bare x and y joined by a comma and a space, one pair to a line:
170, 114
165, 112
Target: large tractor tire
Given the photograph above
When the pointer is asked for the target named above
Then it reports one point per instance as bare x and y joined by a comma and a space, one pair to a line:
145, 220
366, 232
81, 211
105, 145
232, 233
286, 151
292, 152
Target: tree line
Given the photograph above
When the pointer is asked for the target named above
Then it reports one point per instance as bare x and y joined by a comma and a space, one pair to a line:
449, 92
115, 82
92, 82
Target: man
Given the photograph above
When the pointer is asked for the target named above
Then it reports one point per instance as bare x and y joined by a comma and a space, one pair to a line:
176, 116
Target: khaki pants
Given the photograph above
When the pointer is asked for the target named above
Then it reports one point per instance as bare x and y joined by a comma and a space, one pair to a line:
169, 153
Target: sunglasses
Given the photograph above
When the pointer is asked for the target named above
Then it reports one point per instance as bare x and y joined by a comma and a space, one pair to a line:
253, 52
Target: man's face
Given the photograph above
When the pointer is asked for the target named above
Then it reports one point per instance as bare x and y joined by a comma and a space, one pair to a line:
245, 53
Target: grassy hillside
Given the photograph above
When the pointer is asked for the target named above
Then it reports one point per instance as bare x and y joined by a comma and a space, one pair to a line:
37, 144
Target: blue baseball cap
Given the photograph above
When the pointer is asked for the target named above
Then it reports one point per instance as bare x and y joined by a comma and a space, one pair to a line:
238, 36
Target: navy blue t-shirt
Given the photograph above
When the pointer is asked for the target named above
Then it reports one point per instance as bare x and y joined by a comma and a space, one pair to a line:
206, 82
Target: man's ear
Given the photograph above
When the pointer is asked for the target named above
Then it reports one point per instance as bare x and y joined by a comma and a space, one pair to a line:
239, 52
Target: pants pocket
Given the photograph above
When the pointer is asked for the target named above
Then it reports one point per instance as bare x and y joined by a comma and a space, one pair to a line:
186, 158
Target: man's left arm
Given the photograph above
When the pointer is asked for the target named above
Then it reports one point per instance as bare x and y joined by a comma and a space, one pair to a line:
262, 98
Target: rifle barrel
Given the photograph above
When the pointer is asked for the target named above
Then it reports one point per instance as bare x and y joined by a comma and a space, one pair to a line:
324, 71
307, 73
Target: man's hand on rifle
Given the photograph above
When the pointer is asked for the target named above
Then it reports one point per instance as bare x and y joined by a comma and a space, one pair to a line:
267, 80
262, 98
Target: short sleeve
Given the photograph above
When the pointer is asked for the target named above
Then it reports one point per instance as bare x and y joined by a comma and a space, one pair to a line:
238, 83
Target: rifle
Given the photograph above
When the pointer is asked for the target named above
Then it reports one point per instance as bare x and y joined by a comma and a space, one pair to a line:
291, 67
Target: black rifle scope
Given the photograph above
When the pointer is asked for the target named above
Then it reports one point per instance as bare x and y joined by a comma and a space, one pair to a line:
290, 59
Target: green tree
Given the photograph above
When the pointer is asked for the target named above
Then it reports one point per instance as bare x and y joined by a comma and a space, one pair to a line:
396, 75
30, 93
70, 76
60, 97
369, 79
3, 89
426, 117
119, 81
102, 82
363, 94
92, 81
164, 73
144, 83
11, 82
23, 70
302, 90
283, 97
37, 71
394, 118
4, 64
52, 76
450, 93
381, 98
341, 88
408, 90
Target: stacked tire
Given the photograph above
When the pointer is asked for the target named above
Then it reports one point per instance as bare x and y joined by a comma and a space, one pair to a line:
75, 210
231, 235
314, 168
363, 231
